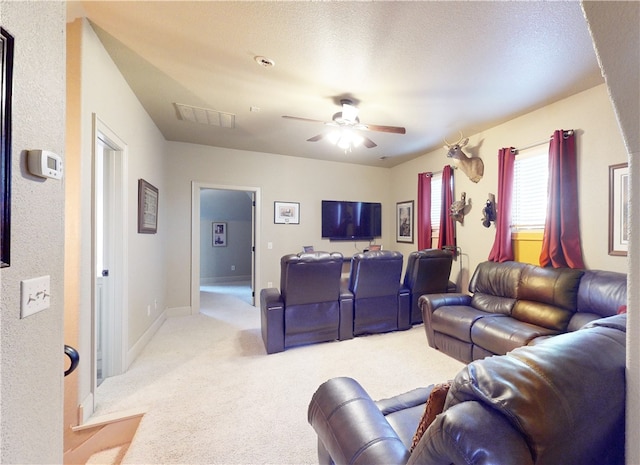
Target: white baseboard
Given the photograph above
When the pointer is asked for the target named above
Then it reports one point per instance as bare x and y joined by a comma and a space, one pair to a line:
86, 409
223, 279
178, 311
133, 353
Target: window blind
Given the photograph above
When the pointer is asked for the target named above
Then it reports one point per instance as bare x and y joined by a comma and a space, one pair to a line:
531, 174
436, 200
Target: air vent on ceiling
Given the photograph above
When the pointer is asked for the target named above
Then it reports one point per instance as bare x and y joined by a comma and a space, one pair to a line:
206, 116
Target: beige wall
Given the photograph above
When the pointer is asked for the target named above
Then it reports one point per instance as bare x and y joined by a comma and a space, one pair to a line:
32, 358
104, 93
279, 178
599, 144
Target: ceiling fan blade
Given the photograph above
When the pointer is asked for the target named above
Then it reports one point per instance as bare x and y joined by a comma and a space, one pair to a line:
315, 138
304, 119
378, 128
368, 143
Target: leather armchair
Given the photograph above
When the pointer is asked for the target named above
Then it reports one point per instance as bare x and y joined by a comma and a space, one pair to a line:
309, 307
427, 272
380, 302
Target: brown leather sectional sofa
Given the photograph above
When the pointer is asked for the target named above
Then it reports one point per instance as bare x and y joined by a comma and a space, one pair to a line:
514, 304
558, 402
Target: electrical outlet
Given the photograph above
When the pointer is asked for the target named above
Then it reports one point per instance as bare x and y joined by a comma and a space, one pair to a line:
233, 268
269, 284
148, 310
35, 295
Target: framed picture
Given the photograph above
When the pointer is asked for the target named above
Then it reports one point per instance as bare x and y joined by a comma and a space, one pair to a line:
286, 212
147, 208
219, 234
6, 79
619, 209
404, 221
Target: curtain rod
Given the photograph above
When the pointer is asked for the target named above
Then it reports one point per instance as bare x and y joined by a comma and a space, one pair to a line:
566, 134
431, 173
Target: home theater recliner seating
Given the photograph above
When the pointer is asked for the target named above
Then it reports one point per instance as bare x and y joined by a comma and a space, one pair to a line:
316, 304
515, 304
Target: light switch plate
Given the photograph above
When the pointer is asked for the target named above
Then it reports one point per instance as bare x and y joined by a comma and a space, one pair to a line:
35, 295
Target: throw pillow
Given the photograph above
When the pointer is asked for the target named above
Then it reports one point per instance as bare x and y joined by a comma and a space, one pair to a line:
435, 405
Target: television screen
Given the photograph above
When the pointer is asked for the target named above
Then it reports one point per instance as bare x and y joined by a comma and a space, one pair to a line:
343, 220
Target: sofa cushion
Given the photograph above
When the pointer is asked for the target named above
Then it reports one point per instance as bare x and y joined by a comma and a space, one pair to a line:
457, 320
494, 286
602, 292
547, 296
500, 335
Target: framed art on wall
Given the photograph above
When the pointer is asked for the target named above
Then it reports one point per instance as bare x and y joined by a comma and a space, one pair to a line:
404, 222
147, 208
286, 212
619, 209
6, 77
219, 234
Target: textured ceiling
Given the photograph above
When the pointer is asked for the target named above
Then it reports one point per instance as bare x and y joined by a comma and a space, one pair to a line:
435, 68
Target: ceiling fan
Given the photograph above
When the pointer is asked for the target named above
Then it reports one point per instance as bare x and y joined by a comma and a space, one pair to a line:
345, 121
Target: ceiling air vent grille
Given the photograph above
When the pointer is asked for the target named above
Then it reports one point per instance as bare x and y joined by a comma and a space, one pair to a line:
206, 116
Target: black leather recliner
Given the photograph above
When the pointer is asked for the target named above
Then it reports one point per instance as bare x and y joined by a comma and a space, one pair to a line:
427, 272
309, 307
380, 302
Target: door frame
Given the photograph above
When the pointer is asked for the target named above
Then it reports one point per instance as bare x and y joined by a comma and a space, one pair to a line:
119, 268
196, 188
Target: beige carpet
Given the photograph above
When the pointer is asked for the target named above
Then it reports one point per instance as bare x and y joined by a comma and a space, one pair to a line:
213, 396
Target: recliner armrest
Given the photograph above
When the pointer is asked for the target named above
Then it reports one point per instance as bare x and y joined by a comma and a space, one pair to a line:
350, 426
404, 308
346, 314
272, 319
430, 302
270, 297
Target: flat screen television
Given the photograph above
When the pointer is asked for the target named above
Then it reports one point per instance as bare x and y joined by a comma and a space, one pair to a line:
351, 221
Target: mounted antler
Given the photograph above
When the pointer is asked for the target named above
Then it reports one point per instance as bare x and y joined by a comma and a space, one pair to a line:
472, 167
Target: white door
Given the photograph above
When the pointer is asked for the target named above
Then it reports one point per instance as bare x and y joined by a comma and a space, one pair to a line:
109, 255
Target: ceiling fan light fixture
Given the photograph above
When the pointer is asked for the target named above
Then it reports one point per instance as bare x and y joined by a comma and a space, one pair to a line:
345, 139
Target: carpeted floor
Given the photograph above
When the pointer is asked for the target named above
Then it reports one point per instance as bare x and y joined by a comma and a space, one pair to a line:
213, 396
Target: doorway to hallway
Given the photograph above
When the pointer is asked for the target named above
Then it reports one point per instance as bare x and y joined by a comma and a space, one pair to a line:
225, 225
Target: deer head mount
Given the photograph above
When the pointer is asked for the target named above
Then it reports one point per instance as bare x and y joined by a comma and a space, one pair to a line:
472, 167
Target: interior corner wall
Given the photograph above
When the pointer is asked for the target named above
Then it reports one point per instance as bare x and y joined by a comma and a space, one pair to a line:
599, 144
105, 93
31, 349
618, 55
280, 178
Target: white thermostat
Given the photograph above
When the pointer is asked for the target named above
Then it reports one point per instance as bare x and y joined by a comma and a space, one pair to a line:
44, 164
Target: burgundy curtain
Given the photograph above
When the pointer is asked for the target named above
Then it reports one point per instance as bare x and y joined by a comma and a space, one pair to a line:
561, 241
502, 249
424, 210
447, 231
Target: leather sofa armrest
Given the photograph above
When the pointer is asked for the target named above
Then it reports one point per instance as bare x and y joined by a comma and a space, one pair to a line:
346, 314
430, 302
272, 319
479, 425
351, 428
404, 308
